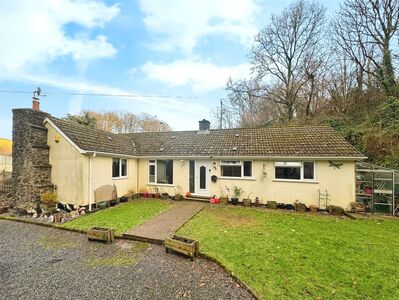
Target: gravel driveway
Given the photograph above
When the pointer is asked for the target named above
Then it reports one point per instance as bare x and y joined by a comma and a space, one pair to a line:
45, 263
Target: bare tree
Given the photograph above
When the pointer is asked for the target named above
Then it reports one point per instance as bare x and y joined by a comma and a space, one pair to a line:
281, 52
120, 121
245, 99
149, 123
365, 30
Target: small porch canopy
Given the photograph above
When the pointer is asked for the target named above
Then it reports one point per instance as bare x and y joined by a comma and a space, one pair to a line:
377, 188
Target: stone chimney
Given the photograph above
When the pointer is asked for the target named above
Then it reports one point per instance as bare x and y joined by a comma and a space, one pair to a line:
31, 174
204, 126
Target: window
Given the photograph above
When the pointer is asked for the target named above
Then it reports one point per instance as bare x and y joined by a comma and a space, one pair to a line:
151, 171
192, 175
294, 170
119, 167
308, 170
236, 168
160, 171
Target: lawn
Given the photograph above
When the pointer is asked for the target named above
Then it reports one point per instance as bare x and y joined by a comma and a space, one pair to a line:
292, 255
122, 217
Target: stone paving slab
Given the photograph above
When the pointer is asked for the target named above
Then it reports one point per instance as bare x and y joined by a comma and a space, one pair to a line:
160, 227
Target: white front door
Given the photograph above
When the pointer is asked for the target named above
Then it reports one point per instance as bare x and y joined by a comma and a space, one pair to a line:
202, 178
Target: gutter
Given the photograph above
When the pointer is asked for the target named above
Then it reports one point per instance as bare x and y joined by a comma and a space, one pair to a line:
258, 157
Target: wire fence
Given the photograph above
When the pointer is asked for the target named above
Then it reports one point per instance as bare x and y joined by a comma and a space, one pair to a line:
5, 182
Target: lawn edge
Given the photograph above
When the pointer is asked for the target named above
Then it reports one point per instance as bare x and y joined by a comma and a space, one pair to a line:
121, 237
230, 273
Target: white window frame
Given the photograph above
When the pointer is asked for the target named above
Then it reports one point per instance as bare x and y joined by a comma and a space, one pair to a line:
120, 168
154, 162
236, 163
296, 164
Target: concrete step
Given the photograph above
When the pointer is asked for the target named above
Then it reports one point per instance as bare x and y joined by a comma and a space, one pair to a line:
197, 198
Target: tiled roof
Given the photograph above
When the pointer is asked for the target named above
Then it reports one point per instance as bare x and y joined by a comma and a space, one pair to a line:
289, 141
90, 139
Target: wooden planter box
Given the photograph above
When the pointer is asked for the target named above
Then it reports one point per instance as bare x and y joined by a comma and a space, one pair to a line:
182, 245
101, 234
313, 208
246, 202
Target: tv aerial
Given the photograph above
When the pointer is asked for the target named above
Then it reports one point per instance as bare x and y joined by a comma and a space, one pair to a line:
37, 93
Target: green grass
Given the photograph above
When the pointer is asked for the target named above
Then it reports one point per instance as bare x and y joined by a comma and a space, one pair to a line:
122, 217
122, 257
284, 255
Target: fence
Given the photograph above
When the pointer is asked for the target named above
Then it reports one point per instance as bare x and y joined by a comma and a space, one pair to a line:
5, 182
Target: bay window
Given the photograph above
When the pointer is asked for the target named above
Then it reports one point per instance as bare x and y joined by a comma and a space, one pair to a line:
160, 171
238, 169
289, 170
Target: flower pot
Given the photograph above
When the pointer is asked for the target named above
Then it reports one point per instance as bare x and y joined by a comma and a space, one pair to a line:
313, 208
157, 195
178, 197
224, 200
234, 201
123, 199
272, 204
164, 195
112, 202
102, 205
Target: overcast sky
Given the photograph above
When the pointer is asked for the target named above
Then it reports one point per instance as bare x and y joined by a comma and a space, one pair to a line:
183, 49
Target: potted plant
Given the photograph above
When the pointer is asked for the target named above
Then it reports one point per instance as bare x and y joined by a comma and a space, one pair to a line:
164, 196
144, 193
49, 199
178, 193
247, 201
188, 194
224, 198
237, 192
157, 194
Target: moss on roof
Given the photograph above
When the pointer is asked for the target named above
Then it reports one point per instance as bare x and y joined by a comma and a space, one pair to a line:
288, 141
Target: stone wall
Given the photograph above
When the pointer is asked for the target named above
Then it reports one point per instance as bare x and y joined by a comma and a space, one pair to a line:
31, 174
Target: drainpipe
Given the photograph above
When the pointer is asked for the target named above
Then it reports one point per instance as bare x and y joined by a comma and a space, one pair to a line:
90, 180
137, 175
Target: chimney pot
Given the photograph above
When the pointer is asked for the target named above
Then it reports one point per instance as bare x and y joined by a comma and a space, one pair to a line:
35, 104
204, 125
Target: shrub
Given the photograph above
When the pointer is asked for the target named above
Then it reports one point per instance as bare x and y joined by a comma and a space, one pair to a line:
48, 198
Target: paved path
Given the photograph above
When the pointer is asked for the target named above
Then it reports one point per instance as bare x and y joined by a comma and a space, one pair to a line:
45, 263
165, 224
